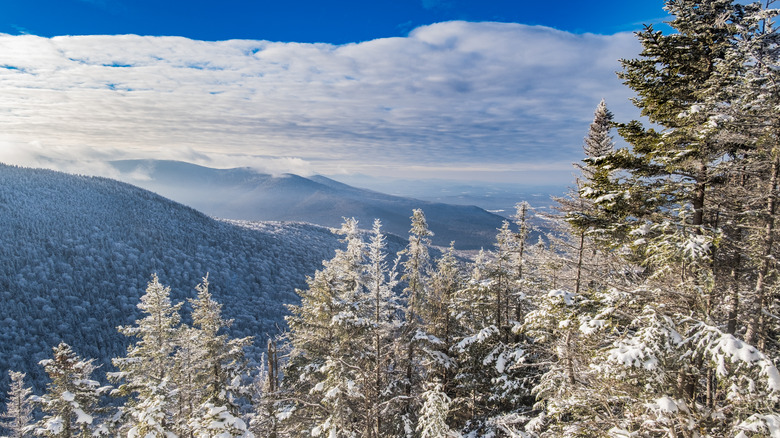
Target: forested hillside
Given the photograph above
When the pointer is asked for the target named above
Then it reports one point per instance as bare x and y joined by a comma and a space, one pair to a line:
76, 254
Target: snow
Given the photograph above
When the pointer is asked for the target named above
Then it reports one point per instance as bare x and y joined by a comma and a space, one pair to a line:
757, 423
82, 417
500, 363
480, 336
697, 246
726, 346
53, 426
642, 230
589, 326
633, 356
68, 396
567, 297
586, 192
332, 392
666, 404
606, 198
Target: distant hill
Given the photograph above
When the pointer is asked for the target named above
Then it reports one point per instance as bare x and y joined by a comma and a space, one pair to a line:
77, 252
243, 193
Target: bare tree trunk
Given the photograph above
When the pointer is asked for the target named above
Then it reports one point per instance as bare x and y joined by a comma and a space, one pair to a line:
580, 250
754, 328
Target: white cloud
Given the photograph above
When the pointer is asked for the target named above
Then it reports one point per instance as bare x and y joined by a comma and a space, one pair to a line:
455, 95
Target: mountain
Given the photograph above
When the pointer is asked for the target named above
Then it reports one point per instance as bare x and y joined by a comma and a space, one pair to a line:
77, 252
243, 193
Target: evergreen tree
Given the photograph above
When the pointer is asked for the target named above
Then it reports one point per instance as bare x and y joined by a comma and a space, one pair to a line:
416, 270
72, 398
323, 378
381, 404
440, 319
433, 415
18, 409
668, 367
490, 382
218, 369
265, 398
754, 175
146, 371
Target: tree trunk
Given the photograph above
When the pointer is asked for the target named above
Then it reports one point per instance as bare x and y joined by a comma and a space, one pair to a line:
754, 329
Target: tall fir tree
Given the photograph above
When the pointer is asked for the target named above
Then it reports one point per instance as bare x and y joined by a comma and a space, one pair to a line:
416, 270
381, 397
18, 415
671, 358
220, 369
72, 399
324, 381
145, 372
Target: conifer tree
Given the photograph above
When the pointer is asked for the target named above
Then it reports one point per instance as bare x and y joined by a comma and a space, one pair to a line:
416, 269
146, 371
490, 382
324, 382
440, 319
218, 369
18, 409
265, 397
72, 397
671, 198
755, 175
433, 415
381, 404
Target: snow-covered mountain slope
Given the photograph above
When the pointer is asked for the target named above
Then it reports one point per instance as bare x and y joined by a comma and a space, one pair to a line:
77, 252
245, 194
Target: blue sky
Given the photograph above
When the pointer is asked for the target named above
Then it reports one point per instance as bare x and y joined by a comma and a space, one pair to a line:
448, 89
309, 21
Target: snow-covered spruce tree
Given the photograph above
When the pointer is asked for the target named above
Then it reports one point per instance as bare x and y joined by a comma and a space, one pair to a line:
432, 421
265, 396
598, 142
492, 380
440, 320
219, 369
322, 377
756, 184
18, 415
474, 306
575, 310
588, 224
675, 366
145, 373
568, 330
416, 269
72, 398
381, 399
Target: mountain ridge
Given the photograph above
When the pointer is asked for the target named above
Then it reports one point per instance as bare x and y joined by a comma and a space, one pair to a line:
242, 193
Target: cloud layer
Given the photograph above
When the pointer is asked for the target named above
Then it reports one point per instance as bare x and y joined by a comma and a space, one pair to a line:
451, 99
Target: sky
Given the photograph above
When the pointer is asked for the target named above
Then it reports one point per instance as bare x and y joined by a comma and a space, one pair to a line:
460, 90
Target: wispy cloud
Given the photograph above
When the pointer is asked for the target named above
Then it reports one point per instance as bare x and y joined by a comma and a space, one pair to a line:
452, 95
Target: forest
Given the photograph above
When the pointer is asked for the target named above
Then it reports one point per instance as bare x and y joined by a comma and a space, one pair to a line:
649, 310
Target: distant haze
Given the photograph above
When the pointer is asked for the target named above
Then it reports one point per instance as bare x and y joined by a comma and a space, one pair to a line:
242, 193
